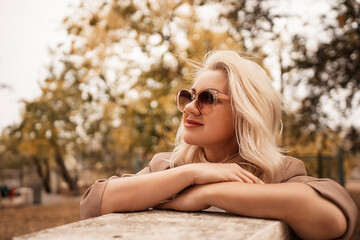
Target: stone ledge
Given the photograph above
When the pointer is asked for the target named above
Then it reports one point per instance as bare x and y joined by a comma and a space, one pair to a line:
155, 224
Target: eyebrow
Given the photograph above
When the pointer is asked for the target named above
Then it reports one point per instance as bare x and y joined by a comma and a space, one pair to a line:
194, 90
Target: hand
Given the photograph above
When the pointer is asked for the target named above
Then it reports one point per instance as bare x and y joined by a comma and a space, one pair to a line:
191, 199
205, 173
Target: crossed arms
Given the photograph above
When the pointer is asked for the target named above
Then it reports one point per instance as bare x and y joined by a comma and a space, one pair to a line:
231, 188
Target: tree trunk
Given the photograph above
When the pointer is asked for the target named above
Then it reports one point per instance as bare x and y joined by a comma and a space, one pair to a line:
65, 174
44, 179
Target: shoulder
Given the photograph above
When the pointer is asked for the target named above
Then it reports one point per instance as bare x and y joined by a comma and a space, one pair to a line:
291, 167
160, 162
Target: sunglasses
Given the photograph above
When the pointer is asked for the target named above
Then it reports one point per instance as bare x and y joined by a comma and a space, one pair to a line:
205, 100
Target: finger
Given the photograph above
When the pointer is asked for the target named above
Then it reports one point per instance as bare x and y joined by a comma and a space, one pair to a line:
251, 176
237, 178
245, 179
246, 176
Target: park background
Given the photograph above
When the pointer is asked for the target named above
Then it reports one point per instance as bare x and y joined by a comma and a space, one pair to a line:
105, 102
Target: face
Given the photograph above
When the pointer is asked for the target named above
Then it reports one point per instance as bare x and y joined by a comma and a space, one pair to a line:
214, 129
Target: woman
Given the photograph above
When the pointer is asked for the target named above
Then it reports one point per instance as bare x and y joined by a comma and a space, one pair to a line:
226, 156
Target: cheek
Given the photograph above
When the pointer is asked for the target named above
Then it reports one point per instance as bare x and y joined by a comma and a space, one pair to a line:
218, 129
222, 126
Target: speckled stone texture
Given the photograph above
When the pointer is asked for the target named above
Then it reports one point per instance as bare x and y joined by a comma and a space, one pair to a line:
154, 224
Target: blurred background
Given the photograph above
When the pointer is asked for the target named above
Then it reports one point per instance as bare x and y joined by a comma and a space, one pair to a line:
92, 94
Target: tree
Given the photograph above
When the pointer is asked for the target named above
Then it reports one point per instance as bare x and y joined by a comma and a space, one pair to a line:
110, 93
331, 72
145, 40
9, 154
48, 128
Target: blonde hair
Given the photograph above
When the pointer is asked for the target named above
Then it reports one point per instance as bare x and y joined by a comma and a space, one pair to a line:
256, 108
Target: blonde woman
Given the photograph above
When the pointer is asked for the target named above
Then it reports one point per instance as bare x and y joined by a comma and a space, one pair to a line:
226, 156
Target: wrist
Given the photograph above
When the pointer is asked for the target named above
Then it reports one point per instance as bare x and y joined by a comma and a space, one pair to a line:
209, 193
188, 173
204, 194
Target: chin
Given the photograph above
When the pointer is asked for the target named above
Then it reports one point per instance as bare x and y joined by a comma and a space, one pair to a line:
194, 140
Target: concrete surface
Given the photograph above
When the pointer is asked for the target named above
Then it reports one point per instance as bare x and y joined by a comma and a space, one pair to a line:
155, 224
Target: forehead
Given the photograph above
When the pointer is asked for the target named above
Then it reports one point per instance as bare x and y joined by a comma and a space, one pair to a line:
211, 79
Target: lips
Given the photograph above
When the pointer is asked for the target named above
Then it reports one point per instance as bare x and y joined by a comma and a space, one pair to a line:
192, 123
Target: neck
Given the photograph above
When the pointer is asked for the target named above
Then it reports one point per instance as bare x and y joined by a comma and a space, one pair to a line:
219, 153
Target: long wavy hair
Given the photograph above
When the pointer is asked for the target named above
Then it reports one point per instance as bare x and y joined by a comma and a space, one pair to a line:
256, 108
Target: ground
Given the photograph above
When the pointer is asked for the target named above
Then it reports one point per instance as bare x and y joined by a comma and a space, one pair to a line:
22, 220
61, 210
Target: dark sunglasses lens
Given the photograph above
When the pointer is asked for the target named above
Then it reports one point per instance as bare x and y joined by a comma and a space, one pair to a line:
184, 97
206, 98
205, 101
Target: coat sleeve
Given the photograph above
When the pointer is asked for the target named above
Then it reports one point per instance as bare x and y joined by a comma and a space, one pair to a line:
328, 189
90, 203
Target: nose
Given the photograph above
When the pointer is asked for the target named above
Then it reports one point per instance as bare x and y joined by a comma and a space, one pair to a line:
191, 108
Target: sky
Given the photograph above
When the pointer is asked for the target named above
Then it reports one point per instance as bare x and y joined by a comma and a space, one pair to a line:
27, 29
